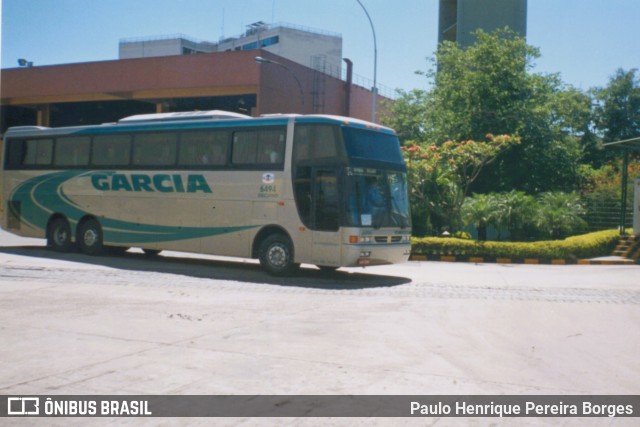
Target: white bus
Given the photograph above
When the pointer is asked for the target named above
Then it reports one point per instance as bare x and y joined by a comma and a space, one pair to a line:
286, 189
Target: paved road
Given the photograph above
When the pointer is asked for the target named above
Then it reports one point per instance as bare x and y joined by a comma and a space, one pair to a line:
72, 324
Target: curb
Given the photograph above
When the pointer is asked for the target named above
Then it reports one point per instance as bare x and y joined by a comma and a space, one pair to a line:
531, 261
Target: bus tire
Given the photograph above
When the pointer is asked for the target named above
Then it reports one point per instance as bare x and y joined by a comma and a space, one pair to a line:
59, 235
90, 237
276, 255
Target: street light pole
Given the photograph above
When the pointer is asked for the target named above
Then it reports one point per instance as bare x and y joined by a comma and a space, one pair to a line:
375, 65
262, 60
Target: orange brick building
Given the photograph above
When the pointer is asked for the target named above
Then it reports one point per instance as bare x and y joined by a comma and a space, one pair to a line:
105, 91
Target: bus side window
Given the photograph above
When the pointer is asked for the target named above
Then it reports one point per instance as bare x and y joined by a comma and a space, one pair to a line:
39, 152
259, 148
208, 148
302, 142
155, 149
16, 150
245, 148
72, 151
111, 150
325, 141
271, 146
315, 142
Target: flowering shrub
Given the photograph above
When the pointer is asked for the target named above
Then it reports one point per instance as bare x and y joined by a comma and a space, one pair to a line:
605, 183
440, 176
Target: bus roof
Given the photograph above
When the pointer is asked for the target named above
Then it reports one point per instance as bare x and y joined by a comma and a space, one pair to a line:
164, 120
185, 115
344, 121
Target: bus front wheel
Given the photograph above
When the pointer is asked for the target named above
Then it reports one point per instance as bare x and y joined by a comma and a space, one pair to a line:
90, 237
59, 235
276, 255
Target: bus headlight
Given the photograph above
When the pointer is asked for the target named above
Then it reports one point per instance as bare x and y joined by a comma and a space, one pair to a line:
359, 239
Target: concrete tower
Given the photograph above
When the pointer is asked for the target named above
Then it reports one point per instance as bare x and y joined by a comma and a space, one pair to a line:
460, 18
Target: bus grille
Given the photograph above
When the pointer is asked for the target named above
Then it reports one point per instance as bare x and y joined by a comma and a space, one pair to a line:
387, 239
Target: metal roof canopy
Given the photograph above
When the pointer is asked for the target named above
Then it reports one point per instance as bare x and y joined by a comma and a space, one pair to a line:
633, 144
626, 146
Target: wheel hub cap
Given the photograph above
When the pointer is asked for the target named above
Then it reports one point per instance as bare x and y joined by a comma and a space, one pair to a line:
90, 237
60, 236
278, 256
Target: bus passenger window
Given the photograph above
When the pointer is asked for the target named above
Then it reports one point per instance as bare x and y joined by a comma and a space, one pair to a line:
315, 142
72, 151
245, 147
111, 150
325, 142
203, 149
271, 146
15, 152
39, 152
302, 143
259, 148
155, 149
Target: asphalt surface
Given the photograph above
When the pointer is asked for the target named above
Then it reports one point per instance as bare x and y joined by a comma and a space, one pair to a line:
183, 324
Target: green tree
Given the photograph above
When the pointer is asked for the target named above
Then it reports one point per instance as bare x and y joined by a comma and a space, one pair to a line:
617, 111
489, 88
407, 115
480, 89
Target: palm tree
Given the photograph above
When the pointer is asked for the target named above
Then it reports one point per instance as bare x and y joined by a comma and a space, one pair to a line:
515, 212
479, 210
558, 214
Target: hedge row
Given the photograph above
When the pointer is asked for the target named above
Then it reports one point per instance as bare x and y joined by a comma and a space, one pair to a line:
600, 243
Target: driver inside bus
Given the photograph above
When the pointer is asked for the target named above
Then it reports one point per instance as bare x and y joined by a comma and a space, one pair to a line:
373, 202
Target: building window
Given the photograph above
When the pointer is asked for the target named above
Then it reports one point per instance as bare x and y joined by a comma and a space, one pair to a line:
270, 41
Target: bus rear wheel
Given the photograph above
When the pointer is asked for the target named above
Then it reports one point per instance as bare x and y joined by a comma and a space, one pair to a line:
276, 255
90, 238
59, 235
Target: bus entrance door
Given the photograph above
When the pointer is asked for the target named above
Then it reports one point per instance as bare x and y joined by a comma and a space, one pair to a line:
325, 217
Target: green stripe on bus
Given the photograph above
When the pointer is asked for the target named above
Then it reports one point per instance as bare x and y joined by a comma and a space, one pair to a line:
42, 196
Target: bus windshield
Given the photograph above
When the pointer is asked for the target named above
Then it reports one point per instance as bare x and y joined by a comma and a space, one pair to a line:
377, 198
376, 146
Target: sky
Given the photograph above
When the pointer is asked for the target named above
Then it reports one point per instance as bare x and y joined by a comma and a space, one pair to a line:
583, 40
